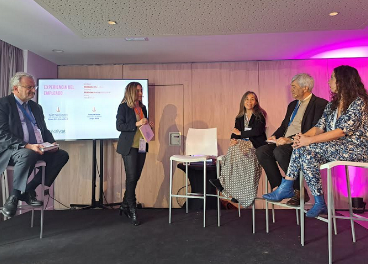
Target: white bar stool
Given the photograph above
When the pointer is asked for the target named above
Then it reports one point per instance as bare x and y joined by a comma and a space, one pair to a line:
331, 218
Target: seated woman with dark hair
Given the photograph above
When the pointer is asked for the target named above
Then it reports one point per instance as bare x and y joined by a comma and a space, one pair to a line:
241, 171
340, 134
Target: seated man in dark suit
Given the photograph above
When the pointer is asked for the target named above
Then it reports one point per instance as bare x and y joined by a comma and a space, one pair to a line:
22, 132
301, 115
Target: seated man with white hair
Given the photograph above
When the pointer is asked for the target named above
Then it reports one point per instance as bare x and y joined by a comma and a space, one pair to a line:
22, 132
302, 114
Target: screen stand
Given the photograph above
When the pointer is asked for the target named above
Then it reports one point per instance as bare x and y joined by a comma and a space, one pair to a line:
94, 203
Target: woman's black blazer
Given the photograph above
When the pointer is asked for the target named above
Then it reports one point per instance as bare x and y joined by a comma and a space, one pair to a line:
125, 123
256, 135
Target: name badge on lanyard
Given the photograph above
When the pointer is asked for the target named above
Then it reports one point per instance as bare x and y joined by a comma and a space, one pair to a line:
142, 146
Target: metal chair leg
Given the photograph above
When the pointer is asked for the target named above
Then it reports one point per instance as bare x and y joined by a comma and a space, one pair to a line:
186, 189
266, 205
218, 194
171, 180
204, 192
350, 204
297, 216
254, 217
329, 216
43, 199
32, 217
301, 210
333, 212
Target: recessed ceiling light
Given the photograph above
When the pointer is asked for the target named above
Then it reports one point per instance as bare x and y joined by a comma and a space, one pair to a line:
334, 13
137, 39
111, 22
57, 51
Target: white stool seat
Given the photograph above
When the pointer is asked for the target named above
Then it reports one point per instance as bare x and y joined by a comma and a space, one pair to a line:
184, 158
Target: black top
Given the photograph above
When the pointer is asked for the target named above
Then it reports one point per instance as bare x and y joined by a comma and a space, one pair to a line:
11, 131
125, 123
256, 135
311, 116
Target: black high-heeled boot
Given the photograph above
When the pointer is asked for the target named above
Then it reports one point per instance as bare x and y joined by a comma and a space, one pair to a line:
124, 208
133, 218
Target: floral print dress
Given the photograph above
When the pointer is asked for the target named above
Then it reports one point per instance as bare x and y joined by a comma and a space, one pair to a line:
352, 147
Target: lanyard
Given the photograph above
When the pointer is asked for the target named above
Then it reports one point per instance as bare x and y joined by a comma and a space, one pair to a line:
139, 113
294, 113
25, 113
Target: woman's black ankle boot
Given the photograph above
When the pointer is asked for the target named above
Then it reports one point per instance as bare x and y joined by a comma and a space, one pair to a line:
124, 208
133, 218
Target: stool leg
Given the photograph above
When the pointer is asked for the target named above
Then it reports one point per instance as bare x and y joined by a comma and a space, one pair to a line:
171, 179
6, 189
3, 188
297, 216
186, 188
43, 198
266, 203
301, 209
254, 216
350, 203
204, 192
32, 217
218, 208
329, 216
218, 193
333, 213
273, 213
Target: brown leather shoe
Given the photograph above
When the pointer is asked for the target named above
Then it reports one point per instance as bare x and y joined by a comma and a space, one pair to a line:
295, 200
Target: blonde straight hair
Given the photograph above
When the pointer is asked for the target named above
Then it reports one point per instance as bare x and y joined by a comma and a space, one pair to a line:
131, 94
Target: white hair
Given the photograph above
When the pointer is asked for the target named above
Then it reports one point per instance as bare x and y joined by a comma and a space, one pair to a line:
304, 80
15, 80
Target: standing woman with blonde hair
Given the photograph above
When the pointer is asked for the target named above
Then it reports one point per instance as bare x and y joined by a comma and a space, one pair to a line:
131, 115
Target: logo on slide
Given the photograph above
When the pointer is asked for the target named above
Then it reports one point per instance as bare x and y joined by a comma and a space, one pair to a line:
94, 109
58, 109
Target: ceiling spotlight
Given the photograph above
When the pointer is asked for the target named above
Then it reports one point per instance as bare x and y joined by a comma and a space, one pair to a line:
137, 39
111, 22
334, 13
57, 51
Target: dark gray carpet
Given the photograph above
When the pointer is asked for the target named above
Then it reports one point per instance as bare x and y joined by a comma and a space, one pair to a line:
101, 236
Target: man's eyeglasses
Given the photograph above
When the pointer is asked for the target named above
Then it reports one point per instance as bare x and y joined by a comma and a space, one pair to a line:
29, 87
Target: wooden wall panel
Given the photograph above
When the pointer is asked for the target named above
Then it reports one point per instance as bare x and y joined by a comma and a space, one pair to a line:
74, 184
216, 93
170, 110
91, 72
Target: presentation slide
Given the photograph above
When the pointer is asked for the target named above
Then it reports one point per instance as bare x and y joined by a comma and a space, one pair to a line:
83, 109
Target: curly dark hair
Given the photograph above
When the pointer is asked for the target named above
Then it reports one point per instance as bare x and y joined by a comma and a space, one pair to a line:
349, 86
257, 110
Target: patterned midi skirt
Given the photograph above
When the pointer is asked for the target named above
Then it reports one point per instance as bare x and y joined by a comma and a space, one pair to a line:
240, 173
